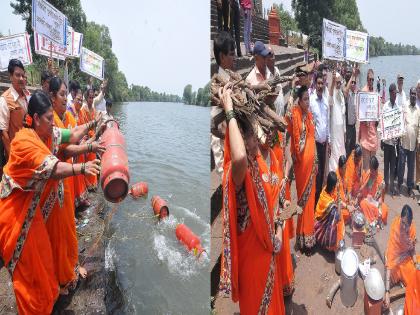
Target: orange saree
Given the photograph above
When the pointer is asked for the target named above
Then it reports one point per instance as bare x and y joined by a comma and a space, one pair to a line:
329, 225
85, 116
302, 131
80, 190
342, 188
250, 271
24, 243
353, 175
61, 228
372, 195
284, 257
412, 295
399, 252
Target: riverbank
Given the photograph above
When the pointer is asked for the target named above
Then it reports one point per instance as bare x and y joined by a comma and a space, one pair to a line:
98, 293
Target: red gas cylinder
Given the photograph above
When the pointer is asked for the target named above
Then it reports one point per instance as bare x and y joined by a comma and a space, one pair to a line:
139, 190
189, 239
160, 208
114, 163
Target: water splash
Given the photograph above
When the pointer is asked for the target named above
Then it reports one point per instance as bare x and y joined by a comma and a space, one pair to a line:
179, 262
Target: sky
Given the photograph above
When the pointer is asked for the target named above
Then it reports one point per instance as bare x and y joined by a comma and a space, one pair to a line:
161, 44
394, 21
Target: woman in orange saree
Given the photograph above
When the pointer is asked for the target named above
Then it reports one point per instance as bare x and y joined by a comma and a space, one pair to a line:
249, 268
400, 258
70, 121
86, 115
354, 171
284, 257
61, 224
372, 194
28, 183
342, 190
329, 225
302, 131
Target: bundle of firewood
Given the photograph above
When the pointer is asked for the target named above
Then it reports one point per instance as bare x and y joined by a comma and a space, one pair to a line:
249, 102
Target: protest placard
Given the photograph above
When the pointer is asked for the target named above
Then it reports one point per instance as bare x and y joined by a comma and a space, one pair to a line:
45, 47
92, 63
77, 44
357, 47
392, 123
15, 47
333, 40
50, 22
367, 106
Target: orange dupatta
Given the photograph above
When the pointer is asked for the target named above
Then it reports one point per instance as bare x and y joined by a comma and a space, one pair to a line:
302, 131
86, 116
377, 192
248, 270
24, 243
342, 186
80, 190
284, 257
61, 228
398, 252
353, 175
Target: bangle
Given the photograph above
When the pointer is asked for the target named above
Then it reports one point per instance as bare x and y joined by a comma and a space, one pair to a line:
72, 168
229, 115
82, 169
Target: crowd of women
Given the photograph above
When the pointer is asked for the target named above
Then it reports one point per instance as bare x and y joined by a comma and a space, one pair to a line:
256, 266
52, 162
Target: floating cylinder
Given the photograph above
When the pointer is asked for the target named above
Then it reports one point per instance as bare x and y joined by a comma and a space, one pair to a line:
114, 163
160, 208
189, 239
139, 190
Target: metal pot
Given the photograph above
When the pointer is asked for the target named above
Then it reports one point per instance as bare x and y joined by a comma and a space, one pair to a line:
349, 268
358, 219
374, 285
338, 256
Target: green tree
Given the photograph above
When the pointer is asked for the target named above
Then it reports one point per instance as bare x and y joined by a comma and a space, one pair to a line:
187, 95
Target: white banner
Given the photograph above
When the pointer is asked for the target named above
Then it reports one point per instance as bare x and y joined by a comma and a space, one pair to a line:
333, 40
392, 123
92, 63
77, 44
45, 47
368, 106
15, 47
357, 46
50, 22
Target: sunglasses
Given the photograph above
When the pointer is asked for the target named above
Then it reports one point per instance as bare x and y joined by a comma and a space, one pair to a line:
353, 82
371, 79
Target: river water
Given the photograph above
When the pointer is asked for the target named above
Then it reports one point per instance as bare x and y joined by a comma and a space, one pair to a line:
388, 67
167, 147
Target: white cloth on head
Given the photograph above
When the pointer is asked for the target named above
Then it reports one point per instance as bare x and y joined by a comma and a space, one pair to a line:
337, 129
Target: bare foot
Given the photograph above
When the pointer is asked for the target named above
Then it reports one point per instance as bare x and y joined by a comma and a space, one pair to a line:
83, 272
64, 291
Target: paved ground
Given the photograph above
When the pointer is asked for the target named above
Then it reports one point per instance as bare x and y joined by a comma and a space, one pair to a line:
316, 274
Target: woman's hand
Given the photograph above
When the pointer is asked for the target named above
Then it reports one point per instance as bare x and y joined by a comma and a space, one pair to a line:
98, 147
92, 167
225, 98
278, 240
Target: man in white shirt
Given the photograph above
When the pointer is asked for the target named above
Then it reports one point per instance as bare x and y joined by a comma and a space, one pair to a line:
409, 142
337, 124
99, 101
401, 98
318, 105
350, 93
224, 53
390, 146
74, 86
260, 72
279, 102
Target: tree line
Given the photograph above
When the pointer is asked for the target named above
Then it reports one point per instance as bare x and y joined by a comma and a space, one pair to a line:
97, 38
308, 16
201, 97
